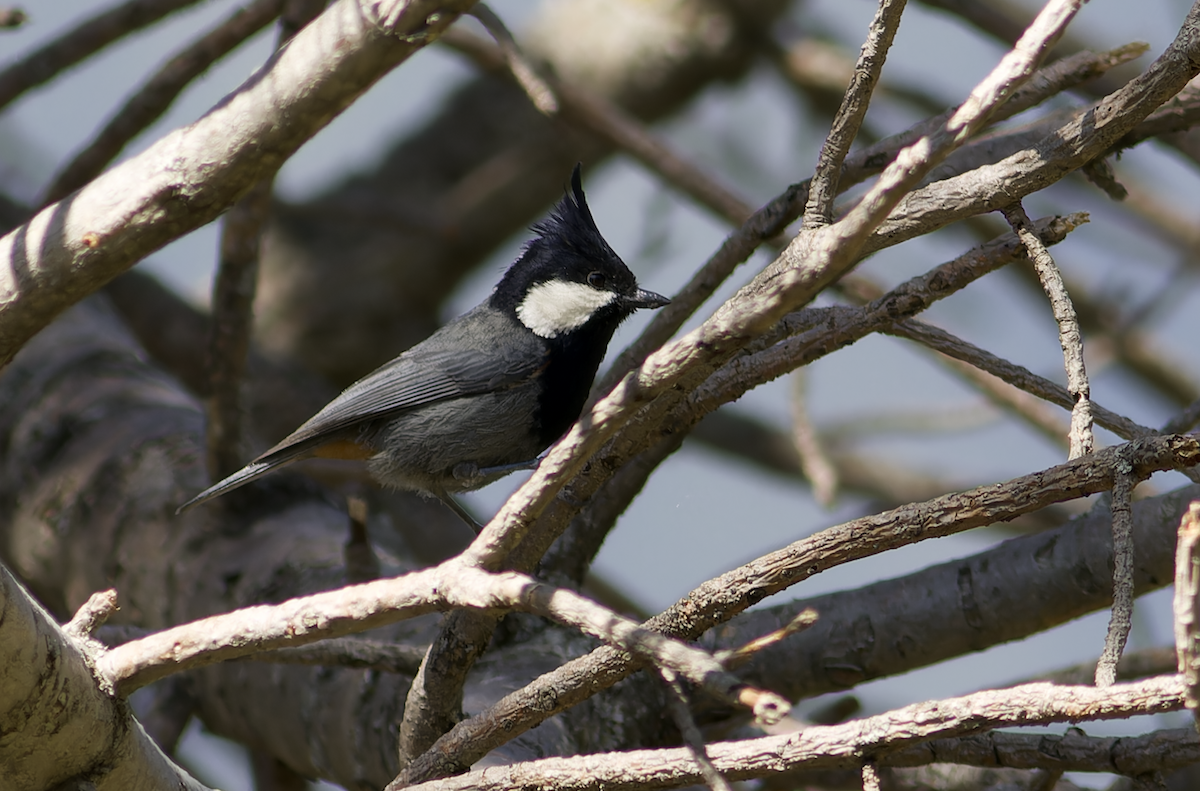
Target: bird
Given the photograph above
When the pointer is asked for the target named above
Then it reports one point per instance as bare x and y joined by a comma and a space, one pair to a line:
487, 393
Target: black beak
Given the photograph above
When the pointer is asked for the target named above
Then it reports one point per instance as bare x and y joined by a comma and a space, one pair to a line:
645, 299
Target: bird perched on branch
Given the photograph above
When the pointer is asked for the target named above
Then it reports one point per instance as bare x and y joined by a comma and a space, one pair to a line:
487, 393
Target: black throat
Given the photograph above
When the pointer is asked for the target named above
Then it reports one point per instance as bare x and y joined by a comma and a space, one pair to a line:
573, 361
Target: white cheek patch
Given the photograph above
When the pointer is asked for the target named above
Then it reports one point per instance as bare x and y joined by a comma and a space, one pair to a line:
558, 306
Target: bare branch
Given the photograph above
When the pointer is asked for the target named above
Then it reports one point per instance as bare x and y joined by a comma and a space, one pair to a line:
191, 175
81, 42
809, 334
1187, 607
772, 218
1074, 751
814, 461
233, 293
720, 599
152, 99
1069, 335
48, 672
677, 702
95, 611
1122, 608
829, 746
824, 185
539, 92
1089, 134
359, 607
1015, 375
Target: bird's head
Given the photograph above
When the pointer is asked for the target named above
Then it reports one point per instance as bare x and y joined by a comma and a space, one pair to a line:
568, 276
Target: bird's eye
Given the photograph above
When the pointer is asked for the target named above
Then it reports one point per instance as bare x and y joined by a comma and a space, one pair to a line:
596, 280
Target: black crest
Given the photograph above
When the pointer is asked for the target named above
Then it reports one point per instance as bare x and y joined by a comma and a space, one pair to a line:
568, 244
571, 226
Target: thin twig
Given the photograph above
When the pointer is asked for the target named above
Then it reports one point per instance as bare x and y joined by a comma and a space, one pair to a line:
1187, 607
590, 111
1122, 607
81, 42
348, 652
361, 563
853, 110
677, 703
805, 619
815, 462
1069, 335
539, 92
1185, 420
232, 324
1015, 375
152, 99
95, 611
235, 286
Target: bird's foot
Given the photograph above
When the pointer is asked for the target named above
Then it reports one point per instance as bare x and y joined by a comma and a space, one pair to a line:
474, 476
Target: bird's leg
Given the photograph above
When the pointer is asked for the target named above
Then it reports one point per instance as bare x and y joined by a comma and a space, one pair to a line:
477, 476
456, 507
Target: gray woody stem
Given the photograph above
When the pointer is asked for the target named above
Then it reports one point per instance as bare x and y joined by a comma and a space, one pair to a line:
1069, 335
1187, 607
853, 110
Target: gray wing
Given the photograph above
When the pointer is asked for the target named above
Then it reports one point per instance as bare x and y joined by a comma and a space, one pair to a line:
464, 358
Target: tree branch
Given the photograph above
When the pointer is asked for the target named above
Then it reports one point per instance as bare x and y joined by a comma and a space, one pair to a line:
360, 607
59, 726
1187, 607
187, 178
1069, 336
857, 98
152, 99
81, 42
720, 599
829, 746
